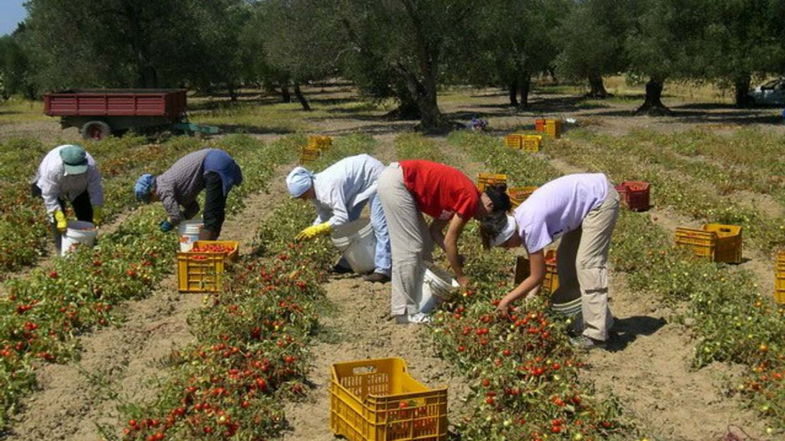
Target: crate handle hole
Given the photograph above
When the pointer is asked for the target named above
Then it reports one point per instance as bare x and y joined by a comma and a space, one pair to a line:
359, 370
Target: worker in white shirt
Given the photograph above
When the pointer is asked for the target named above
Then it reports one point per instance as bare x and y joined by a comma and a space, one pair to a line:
68, 172
339, 193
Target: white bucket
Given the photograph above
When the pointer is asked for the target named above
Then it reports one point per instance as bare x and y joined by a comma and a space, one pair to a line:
357, 243
78, 233
189, 233
437, 285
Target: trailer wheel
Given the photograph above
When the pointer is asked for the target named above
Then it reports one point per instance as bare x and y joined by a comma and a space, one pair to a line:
96, 130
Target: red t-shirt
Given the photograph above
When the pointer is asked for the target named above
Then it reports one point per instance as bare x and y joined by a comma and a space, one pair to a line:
440, 190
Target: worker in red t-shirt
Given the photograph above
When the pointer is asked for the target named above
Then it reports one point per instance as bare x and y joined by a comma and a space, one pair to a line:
409, 188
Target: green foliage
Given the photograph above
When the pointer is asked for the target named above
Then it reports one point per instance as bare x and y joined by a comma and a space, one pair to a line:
591, 38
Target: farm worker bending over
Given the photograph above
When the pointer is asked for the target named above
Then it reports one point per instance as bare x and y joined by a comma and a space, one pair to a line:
69, 172
582, 210
210, 169
409, 188
339, 193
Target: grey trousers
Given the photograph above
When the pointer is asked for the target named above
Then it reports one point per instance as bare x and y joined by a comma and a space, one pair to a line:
410, 241
582, 258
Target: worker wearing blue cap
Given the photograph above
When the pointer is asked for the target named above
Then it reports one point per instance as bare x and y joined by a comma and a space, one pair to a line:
209, 169
68, 172
339, 193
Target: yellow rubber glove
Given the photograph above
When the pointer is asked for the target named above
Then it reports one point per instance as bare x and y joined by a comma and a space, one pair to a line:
314, 230
62, 224
98, 215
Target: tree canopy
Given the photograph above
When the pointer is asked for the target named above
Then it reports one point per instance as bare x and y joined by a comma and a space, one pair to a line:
400, 49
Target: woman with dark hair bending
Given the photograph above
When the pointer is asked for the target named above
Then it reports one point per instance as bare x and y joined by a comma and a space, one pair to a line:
581, 209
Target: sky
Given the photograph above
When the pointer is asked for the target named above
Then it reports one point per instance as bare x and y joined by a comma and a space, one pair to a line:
11, 13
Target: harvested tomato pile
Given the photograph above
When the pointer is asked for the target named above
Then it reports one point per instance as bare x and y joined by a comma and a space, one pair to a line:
212, 248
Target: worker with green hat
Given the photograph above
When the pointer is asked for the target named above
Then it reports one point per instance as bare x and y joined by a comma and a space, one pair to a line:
68, 172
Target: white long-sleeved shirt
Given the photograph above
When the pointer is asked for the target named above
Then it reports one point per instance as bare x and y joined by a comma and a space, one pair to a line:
343, 185
55, 183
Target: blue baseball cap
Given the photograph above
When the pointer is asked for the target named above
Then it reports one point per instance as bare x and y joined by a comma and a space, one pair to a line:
299, 181
144, 187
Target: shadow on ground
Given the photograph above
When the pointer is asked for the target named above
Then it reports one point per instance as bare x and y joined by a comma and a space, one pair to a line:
628, 329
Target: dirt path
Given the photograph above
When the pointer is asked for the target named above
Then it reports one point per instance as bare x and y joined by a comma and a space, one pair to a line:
356, 327
121, 365
647, 366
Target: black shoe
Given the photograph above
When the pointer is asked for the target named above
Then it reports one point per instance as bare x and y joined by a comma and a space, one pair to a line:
376, 278
340, 269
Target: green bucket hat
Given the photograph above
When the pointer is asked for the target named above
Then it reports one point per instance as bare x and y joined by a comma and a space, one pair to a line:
74, 159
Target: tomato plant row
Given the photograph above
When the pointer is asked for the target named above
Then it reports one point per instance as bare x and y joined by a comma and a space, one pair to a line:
252, 339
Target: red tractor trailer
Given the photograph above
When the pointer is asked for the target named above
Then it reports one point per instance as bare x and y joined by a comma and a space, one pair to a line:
98, 113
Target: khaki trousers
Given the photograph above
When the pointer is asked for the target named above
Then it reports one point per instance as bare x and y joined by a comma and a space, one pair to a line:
582, 258
410, 241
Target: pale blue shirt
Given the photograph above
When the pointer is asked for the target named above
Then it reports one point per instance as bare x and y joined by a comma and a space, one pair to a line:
344, 185
559, 207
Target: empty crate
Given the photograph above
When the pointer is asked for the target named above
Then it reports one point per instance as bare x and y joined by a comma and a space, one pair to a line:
716, 242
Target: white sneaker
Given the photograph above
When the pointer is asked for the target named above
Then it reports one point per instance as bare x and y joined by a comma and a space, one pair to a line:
418, 318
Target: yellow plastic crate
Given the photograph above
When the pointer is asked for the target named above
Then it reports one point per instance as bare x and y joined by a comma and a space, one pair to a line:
377, 400
551, 281
779, 286
553, 127
716, 242
485, 179
309, 154
514, 140
319, 142
520, 194
532, 143
200, 272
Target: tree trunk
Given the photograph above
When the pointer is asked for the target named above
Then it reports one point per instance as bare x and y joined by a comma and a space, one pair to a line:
513, 90
407, 107
653, 105
232, 92
524, 85
741, 85
597, 87
301, 98
285, 95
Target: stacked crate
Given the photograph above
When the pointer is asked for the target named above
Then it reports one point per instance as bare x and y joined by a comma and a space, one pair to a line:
715, 242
